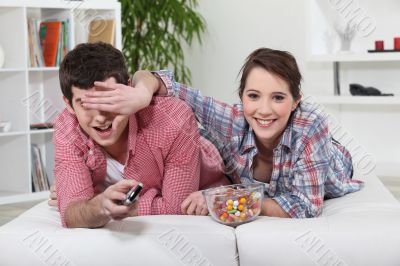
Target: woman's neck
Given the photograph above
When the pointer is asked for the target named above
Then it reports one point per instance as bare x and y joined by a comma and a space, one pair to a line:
266, 148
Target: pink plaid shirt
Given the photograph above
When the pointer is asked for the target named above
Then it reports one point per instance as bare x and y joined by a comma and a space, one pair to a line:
163, 155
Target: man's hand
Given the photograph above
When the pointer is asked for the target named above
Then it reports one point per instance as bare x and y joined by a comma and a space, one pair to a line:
194, 204
99, 210
53, 196
107, 200
114, 195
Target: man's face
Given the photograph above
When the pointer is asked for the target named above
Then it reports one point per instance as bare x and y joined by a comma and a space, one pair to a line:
103, 127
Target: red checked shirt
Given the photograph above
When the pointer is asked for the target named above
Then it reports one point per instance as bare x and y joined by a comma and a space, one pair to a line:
163, 155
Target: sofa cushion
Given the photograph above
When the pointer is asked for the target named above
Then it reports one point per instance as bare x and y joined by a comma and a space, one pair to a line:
361, 228
37, 238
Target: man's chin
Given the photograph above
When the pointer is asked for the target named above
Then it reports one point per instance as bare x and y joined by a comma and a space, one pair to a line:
103, 142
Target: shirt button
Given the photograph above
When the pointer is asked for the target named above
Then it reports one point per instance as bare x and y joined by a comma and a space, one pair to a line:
91, 152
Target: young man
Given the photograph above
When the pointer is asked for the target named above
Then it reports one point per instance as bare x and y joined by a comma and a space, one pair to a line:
100, 156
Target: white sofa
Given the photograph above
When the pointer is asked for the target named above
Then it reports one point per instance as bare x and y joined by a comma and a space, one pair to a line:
359, 229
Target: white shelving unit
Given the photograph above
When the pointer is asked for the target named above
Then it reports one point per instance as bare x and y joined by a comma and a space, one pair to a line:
372, 120
359, 100
32, 95
356, 57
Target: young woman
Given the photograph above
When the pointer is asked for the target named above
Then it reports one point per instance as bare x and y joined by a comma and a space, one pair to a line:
271, 136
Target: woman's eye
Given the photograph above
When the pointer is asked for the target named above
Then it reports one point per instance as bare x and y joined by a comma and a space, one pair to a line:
278, 98
252, 96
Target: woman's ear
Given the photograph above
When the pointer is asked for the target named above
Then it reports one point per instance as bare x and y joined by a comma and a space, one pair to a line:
296, 103
68, 105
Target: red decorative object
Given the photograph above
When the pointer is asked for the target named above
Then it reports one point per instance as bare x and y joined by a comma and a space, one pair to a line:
379, 45
396, 41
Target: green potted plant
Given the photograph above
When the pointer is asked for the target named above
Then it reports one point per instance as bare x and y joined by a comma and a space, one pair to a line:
153, 32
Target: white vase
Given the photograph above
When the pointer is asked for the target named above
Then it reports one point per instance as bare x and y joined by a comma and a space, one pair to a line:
1, 57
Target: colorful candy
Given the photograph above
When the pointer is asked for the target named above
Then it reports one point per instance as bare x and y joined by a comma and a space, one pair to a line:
236, 206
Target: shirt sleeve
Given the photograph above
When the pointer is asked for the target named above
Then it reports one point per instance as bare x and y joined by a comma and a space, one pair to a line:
181, 173
220, 119
73, 179
310, 171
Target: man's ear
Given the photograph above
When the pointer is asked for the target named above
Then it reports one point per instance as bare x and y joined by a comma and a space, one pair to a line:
68, 105
130, 82
296, 103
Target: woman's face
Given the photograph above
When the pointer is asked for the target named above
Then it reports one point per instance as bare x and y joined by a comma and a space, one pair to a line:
267, 105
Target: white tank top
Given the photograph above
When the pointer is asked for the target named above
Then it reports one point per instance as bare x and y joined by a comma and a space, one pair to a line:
115, 171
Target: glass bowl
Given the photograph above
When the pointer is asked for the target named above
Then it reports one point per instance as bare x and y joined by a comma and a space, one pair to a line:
234, 204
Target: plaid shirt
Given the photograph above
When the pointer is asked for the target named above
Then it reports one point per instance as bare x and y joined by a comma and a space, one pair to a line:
308, 164
163, 154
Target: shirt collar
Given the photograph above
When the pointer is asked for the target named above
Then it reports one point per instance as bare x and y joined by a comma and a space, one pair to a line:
287, 136
249, 142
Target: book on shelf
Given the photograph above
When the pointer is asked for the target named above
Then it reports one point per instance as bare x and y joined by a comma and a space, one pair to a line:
45, 125
49, 39
48, 42
102, 30
40, 181
35, 49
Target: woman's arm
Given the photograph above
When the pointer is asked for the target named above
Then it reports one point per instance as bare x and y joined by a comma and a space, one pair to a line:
271, 208
306, 196
220, 119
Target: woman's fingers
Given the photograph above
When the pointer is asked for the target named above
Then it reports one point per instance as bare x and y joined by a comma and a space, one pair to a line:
192, 208
185, 205
105, 86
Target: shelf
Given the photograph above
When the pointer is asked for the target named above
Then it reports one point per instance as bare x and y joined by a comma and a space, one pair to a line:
30, 95
14, 197
356, 57
12, 70
87, 4
16, 133
37, 69
359, 100
41, 131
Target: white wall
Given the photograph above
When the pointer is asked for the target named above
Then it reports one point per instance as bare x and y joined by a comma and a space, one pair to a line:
235, 29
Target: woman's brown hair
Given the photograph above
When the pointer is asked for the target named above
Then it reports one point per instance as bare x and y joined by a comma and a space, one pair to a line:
280, 63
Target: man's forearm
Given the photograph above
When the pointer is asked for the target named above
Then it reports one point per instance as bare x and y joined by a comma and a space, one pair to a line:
86, 214
148, 80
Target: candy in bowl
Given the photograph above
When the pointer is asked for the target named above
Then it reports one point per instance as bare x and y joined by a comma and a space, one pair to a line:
235, 204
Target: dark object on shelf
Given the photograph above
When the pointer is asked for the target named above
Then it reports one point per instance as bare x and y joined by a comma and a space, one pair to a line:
41, 125
360, 90
383, 51
396, 43
379, 45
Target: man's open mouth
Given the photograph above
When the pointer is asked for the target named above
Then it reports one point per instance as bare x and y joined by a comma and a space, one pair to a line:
103, 128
